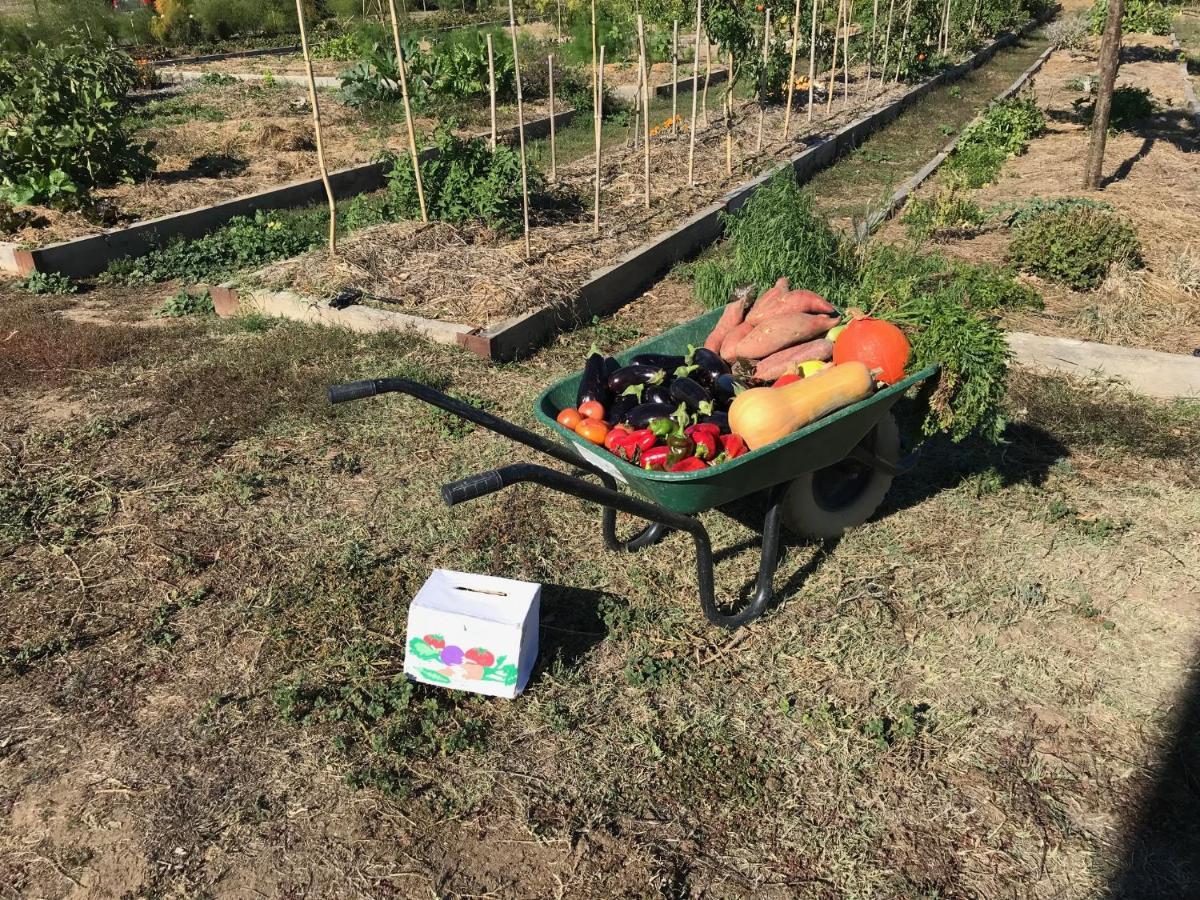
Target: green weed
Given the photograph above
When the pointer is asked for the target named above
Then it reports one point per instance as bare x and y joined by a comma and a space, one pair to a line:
184, 303
48, 283
1075, 245
1003, 130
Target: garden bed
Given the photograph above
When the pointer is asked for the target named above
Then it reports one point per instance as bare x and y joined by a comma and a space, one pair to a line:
1151, 181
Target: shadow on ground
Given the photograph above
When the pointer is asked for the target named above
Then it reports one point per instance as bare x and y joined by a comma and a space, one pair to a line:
1160, 855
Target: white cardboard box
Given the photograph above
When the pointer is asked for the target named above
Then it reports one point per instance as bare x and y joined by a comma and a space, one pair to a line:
473, 633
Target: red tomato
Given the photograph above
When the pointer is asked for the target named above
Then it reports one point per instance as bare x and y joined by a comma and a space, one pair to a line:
591, 410
569, 418
786, 379
594, 430
615, 436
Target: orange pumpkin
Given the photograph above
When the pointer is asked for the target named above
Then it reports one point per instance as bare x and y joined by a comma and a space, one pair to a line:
879, 345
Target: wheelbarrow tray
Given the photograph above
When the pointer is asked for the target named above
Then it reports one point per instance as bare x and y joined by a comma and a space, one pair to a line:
824, 442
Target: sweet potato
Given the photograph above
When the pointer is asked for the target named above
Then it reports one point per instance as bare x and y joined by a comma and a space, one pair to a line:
734, 315
788, 359
779, 332
733, 338
788, 302
773, 293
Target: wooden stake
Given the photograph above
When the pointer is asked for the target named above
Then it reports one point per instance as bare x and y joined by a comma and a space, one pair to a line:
644, 68
316, 108
599, 114
675, 79
812, 60
412, 135
903, 39
492, 88
695, 98
550, 82
762, 81
512, 27
837, 24
1110, 59
846, 50
872, 45
729, 118
787, 110
707, 76
595, 79
887, 42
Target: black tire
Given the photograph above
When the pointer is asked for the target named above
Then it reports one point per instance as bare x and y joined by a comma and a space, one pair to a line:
824, 503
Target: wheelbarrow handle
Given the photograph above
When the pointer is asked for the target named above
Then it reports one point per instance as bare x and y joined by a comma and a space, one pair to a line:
358, 390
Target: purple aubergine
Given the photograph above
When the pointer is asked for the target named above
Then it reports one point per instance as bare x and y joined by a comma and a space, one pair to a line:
630, 375
593, 386
642, 414
619, 408
690, 392
709, 366
667, 361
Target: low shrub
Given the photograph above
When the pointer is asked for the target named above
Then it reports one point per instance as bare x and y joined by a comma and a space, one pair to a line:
466, 182
1003, 130
63, 134
947, 210
185, 303
48, 283
1130, 105
1142, 16
1018, 214
1075, 245
1070, 32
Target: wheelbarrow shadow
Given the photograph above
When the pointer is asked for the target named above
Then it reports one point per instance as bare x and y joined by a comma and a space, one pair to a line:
1024, 456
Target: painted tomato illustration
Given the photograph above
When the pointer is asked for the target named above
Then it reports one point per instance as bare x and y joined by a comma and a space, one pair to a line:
481, 657
435, 640
452, 655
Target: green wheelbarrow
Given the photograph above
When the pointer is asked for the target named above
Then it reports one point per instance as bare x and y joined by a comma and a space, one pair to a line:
819, 481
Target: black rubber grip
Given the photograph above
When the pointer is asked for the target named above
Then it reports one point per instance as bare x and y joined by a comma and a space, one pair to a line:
472, 487
352, 390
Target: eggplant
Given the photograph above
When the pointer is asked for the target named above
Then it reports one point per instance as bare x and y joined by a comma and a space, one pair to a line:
630, 375
659, 360
726, 387
709, 366
720, 419
659, 393
618, 409
690, 392
644, 413
593, 385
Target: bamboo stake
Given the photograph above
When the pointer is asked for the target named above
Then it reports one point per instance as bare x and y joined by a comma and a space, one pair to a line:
675, 79
729, 118
595, 80
412, 136
787, 111
512, 23
762, 81
695, 98
873, 45
812, 60
492, 88
644, 68
945, 41
903, 39
598, 112
846, 50
887, 42
707, 76
550, 82
312, 97
837, 24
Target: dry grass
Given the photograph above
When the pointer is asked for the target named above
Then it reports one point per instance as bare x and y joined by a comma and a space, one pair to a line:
961, 698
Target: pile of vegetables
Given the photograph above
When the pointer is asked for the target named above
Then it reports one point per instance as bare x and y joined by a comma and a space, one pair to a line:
689, 412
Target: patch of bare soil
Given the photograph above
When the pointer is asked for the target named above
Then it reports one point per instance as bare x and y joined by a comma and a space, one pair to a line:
433, 282
1151, 176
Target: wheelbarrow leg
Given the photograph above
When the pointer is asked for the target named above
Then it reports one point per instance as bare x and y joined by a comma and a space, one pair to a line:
651, 534
497, 479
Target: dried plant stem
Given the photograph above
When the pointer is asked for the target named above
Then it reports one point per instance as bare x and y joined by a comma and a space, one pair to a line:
316, 108
408, 122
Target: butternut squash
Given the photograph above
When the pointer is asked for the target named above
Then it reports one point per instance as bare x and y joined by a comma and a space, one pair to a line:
764, 415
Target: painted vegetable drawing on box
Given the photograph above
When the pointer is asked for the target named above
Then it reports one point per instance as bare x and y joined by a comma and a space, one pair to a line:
447, 662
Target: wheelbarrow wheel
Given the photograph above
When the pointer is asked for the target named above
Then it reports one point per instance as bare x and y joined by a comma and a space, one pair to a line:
824, 503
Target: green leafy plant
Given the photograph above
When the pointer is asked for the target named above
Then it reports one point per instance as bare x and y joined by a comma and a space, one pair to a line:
62, 134
1144, 16
183, 303
217, 79
1130, 105
466, 182
1075, 245
1018, 214
1003, 130
48, 283
947, 210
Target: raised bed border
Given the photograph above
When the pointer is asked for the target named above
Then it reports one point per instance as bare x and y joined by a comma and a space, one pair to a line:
1189, 91
612, 287
92, 254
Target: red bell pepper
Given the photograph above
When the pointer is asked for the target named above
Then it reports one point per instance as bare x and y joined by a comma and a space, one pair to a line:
643, 439
655, 458
734, 445
615, 436
787, 379
706, 444
691, 464
703, 427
